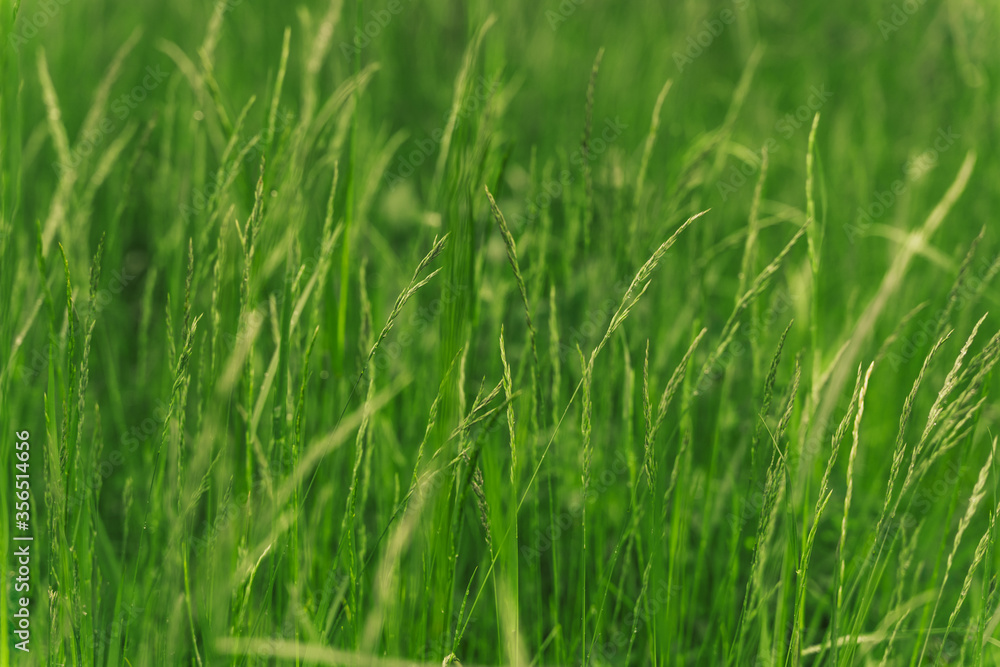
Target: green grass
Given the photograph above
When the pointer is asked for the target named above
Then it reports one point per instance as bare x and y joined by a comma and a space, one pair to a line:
514, 333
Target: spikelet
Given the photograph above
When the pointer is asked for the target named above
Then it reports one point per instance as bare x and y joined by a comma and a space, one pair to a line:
978, 493
639, 285
653, 422
484, 508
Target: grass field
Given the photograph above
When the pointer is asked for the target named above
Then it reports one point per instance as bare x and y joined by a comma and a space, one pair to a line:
392, 333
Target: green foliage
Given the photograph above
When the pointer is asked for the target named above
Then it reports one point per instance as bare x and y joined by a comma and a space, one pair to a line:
359, 333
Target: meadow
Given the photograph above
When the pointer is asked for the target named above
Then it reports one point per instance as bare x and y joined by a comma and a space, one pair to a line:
423, 332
